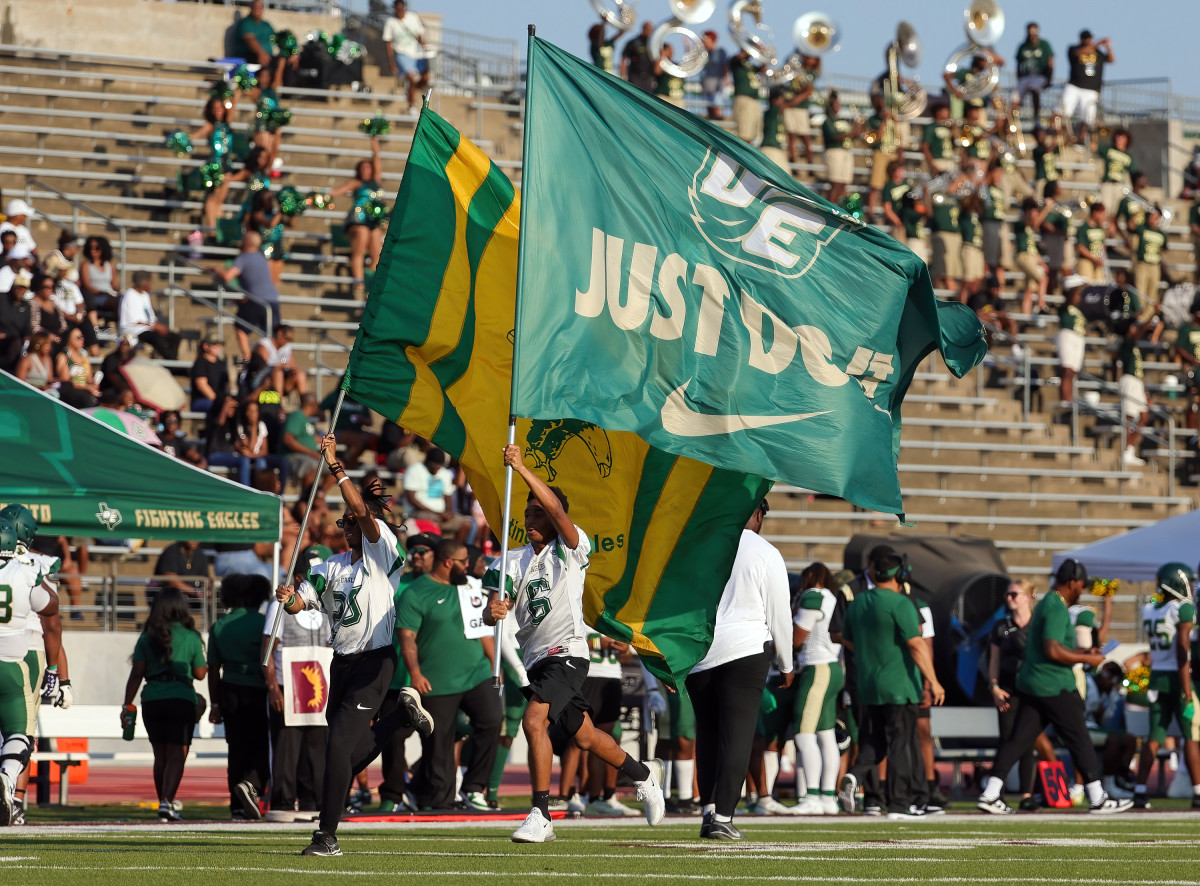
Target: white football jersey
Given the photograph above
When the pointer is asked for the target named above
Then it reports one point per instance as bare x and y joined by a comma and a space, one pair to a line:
814, 615
48, 566
548, 590
359, 597
605, 662
1161, 623
21, 593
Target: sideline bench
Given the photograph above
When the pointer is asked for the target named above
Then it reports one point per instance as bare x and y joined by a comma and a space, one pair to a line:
963, 727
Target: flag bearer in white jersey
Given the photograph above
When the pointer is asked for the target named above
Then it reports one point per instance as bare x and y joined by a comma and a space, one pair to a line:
821, 681
56, 683
21, 592
357, 588
1167, 621
543, 585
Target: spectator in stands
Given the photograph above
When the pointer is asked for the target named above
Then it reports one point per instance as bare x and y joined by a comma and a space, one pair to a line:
970, 229
1035, 68
913, 215
111, 378
747, 98
265, 219
60, 266
252, 36
798, 93
1187, 352
429, 495
1106, 718
1131, 212
98, 278
36, 365
1081, 95
252, 272
452, 673
8, 239
404, 37
880, 127
185, 567
137, 318
403, 447
893, 197
17, 259
364, 231
946, 262
1091, 253
1118, 169
210, 375
15, 326
298, 761
175, 442
714, 76
18, 212
1070, 341
774, 139
1029, 259
1147, 267
1194, 228
77, 385
636, 64
1045, 160
271, 364
667, 86
988, 305
1060, 254
995, 219
299, 443
239, 691
252, 442
937, 143
1006, 649
601, 47
168, 655
839, 136
1130, 376
221, 439
44, 315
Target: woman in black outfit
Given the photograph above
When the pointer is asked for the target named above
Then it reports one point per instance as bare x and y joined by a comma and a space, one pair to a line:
1006, 649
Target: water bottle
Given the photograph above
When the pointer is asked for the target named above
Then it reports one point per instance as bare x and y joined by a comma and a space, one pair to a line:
128, 721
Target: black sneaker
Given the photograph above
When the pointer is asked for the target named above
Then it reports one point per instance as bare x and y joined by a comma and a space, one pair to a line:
706, 824
1141, 801
18, 811
247, 799
721, 830
322, 844
1195, 802
1111, 806
994, 807
1029, 804
417, 715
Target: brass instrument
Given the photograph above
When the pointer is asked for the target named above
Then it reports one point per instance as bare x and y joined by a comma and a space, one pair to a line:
906, 48
1165, 216
752, 38
693, 57
1014, 133
618, 13
983, 22
815, 33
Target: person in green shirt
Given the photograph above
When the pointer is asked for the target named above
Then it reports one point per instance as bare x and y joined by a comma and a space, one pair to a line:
452, 673
913, 214
252, 36
602, 49
1194, 227
1132, 212
668, 87
1045, 160
1091, 253
977, 135
946, 263
1127, 368
747, 98
1118, 165
168, 656
775, 137
839, 136
883, 630
1072, 328
1029, 259
970, 229
937, 142
1035, 68
239, 692
299, 442
893, 196
1187, 352
1047, 694
1147, 266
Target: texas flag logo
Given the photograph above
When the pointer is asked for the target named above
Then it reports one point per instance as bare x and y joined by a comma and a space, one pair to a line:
310, 688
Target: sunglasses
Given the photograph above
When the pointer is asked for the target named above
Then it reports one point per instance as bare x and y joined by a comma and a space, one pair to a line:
420, 551
341, 522
1012, 595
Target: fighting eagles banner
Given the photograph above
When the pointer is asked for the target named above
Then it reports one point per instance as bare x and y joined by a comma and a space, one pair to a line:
677, 284
434, 354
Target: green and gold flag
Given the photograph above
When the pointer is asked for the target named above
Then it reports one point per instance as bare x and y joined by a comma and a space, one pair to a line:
434, 354
678, 284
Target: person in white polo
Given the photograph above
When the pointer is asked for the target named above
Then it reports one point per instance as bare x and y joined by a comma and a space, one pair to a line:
1072, 325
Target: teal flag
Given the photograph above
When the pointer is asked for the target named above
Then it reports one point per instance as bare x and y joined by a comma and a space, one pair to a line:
676, 283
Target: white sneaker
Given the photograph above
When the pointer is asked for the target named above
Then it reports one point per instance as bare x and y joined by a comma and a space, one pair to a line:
1130, 459
811, 804
846, 791
768, 805
650, 792
535, 829
7, 789
830, 802
1110, 806
575, 805
608, 807
995, 806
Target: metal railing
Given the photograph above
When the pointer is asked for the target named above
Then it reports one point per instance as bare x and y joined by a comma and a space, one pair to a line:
223, 314
322, 345
78, 206
116, 604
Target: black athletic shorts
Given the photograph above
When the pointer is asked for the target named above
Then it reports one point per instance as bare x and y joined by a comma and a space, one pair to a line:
169, 721
603, 695
558, 681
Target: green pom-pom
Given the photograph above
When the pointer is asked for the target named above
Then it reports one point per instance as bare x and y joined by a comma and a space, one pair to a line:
286, 43
853, 205
279, 117
376, 212
334, 44
179, 143
291, 202
211, 175
375, 126
221, 90
243, 79
320, 201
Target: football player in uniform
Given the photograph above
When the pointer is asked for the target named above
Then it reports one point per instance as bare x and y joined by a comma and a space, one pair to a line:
21, 592
820, 683
357, 588
1167, 621
543, 585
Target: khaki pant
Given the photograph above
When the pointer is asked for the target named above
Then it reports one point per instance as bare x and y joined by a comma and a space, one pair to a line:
945, 165
779, 156
920, 247
839, 164
1146, 278
796, 121
1031, 267
947, 255
1089, 268
1111, 196
879, 165
972, 262
747, 118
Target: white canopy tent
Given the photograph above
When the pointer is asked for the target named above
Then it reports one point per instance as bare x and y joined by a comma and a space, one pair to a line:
1137, 554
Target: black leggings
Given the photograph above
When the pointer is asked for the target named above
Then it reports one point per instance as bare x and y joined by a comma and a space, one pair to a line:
1026, 769
244, 711
726, 700
1065, 712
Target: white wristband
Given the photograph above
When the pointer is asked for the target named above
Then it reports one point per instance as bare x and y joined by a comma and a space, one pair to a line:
343, 480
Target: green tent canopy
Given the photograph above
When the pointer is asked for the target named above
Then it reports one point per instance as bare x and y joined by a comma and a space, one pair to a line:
81, 477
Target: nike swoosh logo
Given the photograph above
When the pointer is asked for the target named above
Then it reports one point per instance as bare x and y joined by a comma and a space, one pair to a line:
571, 666
443, 600
361, 708
680, 419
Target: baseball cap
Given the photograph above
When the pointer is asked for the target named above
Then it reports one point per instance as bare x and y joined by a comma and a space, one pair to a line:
18, 206
23, 278
58, 262
1075, 281
20, 250
422, 540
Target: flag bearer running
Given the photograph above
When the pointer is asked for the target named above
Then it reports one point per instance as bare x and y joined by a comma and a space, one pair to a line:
543, 582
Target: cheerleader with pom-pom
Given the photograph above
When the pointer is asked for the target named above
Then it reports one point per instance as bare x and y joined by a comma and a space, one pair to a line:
364, 224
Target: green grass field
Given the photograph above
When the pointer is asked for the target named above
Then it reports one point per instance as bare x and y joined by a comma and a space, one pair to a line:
1137, 849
